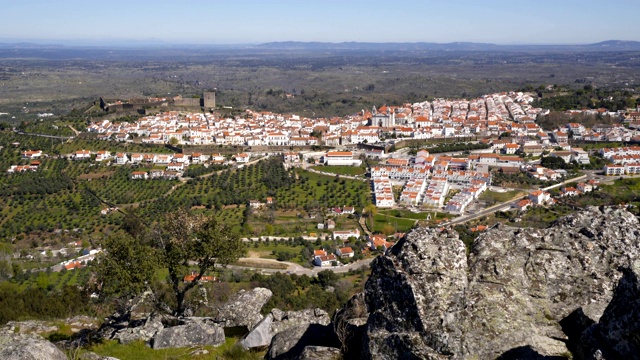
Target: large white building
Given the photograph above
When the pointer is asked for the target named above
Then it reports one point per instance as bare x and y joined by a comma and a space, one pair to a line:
341, 158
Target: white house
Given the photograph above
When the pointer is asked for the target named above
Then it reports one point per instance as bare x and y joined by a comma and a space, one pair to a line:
345, 252
346, 234
139, 175
103, 155
243, 158
82, 155
121, 158
326, 260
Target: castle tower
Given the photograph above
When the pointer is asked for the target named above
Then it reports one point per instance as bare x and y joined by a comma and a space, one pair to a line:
210, 99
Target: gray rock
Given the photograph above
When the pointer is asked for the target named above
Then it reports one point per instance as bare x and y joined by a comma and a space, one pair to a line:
427, 300
277, 314
290, 343
290, 319
260, 336
145, 332
278, 321
189, 335
30, 327
28, 347
94, 356
615, 336
320, 353
349, 326
243, 309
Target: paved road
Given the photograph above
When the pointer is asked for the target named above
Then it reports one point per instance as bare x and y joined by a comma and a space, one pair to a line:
45, 135
297, 269
507, 204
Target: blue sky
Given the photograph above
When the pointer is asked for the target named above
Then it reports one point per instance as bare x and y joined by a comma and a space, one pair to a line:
257, 21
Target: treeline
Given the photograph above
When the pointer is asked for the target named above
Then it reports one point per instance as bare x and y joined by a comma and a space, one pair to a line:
37, 303
36, 183
590, 98
298, 292
199, 170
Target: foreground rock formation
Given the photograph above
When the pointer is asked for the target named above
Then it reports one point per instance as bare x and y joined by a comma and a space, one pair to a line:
28, 347
426, 299
243, 309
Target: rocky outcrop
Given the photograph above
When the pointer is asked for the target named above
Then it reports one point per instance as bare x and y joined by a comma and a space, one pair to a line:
260, 336
617, 334
190, 334
320, 353
137, 320
141, 330
349, 324
28, 347
427, 299
290, 343
243, 309
278, 321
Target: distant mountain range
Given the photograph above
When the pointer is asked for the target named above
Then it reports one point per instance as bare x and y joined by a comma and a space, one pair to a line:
610, 45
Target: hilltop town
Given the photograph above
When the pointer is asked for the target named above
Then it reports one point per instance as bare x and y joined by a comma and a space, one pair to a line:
433, 156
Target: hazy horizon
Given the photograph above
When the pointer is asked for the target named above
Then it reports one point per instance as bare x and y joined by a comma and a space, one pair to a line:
250, 22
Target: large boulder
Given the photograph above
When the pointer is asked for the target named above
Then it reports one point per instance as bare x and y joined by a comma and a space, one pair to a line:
144, 331
28, 347
191, 334
278, 321
349, 324
617, 334
260, 336
286, 319
427, 299
290, 343
243, 309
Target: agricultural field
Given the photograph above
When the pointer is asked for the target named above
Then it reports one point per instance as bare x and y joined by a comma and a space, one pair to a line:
54, 280
494, 197
342, 170
118, 187
15, 143
296, 194
389, 225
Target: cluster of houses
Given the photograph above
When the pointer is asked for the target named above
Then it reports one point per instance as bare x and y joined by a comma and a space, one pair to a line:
623, 160
541, 197
603, 132
581, 188
427, 180
177, 160
33, 164
488, 115
374, 242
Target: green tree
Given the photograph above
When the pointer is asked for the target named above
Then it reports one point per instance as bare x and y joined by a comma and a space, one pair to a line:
327, 278
126, 266
187, 239
182, 241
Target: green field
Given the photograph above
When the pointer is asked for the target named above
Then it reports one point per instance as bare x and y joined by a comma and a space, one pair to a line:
494, 197
400, 213
388, 224
65, 195
342, 170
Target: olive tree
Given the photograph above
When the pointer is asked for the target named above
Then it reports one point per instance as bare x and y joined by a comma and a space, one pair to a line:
182, 242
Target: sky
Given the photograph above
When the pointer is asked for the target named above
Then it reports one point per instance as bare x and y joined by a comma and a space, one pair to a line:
259, 21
